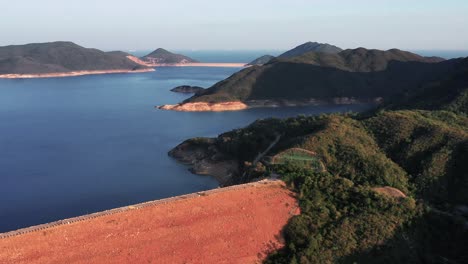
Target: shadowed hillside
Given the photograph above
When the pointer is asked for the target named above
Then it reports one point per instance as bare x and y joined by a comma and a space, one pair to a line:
361, 74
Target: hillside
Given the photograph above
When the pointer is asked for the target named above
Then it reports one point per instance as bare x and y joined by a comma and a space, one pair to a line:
359, 60
61, 57
449, 94
380, 187
360, 74
162, 56
261, 60
297, 51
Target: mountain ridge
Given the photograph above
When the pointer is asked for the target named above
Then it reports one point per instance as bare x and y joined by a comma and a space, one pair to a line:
357, 73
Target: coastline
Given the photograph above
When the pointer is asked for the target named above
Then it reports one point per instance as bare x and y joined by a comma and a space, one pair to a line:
70, 74
239, 105
201, 64
206, 107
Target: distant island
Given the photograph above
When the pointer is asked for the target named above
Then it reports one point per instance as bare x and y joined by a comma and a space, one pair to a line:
311, 78
163, 58
60, 59
187, 89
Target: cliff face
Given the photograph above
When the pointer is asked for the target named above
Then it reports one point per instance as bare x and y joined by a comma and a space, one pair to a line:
61, 57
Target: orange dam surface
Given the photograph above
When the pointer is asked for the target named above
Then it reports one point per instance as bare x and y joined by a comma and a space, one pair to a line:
238, 224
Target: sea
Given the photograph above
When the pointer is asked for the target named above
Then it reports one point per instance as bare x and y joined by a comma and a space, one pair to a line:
77, 145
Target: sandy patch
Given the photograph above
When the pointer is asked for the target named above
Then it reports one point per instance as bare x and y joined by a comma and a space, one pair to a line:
390, 191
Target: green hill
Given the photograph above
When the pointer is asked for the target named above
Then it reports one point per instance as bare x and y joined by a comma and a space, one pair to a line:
310, 47
162, 56
60, 57
360, 73
297, 51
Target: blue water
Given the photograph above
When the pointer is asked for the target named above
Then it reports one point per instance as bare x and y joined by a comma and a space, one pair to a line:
245, 56
446, 54
72, 146
235, 56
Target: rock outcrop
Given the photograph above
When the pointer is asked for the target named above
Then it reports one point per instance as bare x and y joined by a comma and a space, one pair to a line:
187, 89
206, 159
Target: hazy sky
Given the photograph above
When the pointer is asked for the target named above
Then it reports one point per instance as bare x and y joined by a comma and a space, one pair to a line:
239, 24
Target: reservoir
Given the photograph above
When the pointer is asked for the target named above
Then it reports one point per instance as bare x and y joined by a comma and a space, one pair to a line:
78, 145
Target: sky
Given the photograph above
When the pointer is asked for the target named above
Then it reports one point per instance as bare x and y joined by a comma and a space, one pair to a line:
237, 25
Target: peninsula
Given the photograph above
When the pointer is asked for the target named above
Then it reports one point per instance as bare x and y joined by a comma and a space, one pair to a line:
61, 59
312, 78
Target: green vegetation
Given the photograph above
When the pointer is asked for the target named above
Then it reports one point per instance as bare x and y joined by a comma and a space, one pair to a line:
362, 74
166, 57
310, 47
299, 157
343, 219
417, 143
60, 57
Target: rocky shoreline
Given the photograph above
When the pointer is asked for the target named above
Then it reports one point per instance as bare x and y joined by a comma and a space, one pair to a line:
199, 64
70, 74
204, 158
238, 105
205, 107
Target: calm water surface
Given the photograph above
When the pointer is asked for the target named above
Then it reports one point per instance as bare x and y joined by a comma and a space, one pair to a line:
72, 146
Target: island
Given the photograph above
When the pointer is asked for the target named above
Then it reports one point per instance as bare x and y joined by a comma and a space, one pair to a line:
348, 77
164, 58
187, 89
61, 59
